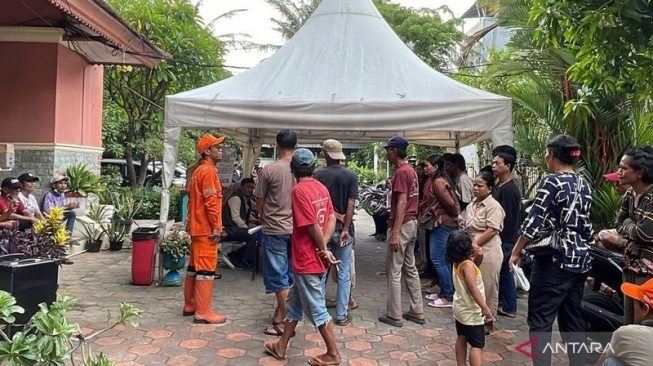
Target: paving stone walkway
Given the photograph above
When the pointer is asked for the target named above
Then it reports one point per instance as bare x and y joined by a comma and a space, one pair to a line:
100, 281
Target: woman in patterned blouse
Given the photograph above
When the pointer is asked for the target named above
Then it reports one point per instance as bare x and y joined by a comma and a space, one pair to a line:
635, 219
562, 204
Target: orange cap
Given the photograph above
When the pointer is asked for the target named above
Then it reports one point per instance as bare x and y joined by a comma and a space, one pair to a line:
642, 293
207, 140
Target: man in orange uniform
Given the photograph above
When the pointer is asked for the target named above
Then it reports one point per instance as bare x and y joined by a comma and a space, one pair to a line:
205, 228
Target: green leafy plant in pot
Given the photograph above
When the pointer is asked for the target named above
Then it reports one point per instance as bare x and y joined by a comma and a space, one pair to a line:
82, 181
93, 232
115, 231
174, 247
127, 206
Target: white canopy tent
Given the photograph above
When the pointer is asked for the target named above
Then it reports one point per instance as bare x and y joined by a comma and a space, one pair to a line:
344, 75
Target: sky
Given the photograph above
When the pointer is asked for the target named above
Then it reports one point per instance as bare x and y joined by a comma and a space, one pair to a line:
255, 22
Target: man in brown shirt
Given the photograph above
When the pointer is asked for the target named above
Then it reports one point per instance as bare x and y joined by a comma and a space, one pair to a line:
275, 213
400, 257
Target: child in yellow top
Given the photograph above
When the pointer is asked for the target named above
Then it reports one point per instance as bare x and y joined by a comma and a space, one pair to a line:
469, 308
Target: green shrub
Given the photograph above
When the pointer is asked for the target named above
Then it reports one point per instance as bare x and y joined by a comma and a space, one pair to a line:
366, 175
151, 206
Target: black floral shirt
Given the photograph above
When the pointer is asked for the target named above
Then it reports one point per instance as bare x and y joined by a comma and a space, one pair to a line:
550, 211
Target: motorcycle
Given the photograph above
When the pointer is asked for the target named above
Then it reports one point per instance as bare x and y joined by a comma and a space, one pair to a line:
603, 312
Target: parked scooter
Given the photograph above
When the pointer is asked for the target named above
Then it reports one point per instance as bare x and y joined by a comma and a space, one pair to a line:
603, 312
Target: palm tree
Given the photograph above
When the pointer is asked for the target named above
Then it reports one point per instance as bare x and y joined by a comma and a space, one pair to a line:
606, 123
294, 13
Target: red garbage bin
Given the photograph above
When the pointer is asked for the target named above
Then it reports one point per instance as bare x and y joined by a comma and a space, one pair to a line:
143, 245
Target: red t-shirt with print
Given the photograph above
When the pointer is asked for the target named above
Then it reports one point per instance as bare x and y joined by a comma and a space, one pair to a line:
405, 181
311, 204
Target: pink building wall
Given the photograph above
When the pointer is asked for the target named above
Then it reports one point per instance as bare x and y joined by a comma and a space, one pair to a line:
50, 94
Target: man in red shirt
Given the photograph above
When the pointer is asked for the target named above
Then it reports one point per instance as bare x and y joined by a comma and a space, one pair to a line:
313, 225
400, 255
9, 198
205, 229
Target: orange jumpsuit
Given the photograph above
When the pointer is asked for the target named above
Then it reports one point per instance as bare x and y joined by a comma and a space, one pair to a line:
205, 215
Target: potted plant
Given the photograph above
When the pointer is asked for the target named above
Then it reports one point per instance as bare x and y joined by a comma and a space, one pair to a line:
47, 239
174, 247
82, 181
127, 206
92, 231
115, 231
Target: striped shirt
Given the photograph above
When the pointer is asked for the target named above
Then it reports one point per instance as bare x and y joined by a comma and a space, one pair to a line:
550, 211
638, 225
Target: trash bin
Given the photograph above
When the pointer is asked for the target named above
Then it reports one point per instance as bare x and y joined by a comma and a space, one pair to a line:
143, 245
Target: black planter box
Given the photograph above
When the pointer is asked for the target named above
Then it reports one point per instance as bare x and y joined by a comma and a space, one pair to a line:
31, 282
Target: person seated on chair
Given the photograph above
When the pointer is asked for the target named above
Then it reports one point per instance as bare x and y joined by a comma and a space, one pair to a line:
28, 180
631, 344
55, 198
236, 222
9, 198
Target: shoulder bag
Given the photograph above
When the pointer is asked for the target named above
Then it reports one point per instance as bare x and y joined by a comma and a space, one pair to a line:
549, 240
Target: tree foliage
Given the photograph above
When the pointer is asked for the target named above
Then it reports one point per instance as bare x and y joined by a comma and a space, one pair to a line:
431, 38
612, 40
136, 94
538, 72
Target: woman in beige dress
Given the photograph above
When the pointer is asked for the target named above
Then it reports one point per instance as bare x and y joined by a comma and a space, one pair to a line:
484, 222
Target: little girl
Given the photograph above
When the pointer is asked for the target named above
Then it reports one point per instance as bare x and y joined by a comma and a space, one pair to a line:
469, 308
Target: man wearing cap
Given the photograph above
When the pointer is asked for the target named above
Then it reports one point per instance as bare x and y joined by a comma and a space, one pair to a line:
342, 185
631, 344
402, 231
9, 200
275, 214
55, 198
26, 197
205, 228
313, 227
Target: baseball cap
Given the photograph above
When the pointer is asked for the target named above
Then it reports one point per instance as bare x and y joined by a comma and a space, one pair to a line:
58, 178
396, 142
333, 148
612, 177
28, 177
11, 182
642, 293
207, 140
303, 157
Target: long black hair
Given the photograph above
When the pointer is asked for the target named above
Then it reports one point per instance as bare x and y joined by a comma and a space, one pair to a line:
438, 162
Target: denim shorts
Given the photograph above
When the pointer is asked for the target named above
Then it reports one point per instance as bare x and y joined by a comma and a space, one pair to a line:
277, 268
307, 298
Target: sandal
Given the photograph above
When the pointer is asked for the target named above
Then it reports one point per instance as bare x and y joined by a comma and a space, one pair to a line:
343, 322
439, 303
413, 318
353, 304
272, 353
276, 331
317, 362
432, 297
387, 320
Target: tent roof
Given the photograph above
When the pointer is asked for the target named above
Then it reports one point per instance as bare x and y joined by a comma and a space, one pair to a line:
345, 75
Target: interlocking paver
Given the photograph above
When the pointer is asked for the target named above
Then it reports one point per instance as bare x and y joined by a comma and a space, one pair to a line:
100, 281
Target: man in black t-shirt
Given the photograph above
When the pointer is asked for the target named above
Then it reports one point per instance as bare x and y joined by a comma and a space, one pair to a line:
342, 184
506, 192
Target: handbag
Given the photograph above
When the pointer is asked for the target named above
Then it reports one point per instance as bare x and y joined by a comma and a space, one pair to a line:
549, 240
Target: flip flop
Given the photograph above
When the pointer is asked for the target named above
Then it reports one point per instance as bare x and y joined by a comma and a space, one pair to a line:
353, 305
387, 320
316, 362
411, 317
276, 331
273, 353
